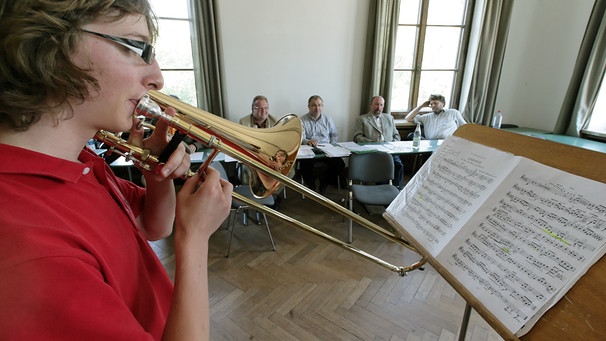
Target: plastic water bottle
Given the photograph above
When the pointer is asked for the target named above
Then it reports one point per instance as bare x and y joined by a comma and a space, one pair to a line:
497, 119
416, 137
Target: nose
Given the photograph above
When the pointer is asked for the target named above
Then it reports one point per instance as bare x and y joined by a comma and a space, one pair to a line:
154, 79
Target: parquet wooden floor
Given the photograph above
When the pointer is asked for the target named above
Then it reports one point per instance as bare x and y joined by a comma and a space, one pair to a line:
310, 289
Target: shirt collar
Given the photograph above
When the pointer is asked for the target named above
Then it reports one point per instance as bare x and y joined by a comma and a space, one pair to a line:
25, 161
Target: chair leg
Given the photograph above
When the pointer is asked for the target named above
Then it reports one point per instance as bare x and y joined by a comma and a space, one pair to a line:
245, 217
271, 239
233, 227
350, 223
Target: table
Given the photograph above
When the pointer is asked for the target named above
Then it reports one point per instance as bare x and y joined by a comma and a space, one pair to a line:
395, 148
563, 139
403, 148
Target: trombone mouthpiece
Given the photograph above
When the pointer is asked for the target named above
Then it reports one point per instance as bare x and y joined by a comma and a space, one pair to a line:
148, 107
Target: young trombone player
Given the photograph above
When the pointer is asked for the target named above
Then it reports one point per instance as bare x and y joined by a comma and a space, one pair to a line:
74, 259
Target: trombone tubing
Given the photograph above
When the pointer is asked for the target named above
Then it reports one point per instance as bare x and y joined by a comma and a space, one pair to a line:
188, 123
402, 271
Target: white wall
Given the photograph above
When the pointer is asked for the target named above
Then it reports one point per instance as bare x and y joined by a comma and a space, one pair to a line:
290, 50
543, 43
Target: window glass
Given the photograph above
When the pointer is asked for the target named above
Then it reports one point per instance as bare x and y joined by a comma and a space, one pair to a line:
409, 12
174, 49
401, 89
441, 48
436, 82
179, 83
405, 42
170, 9
446, 12
428, 51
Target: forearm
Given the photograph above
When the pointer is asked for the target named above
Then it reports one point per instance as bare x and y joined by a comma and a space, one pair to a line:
359, 133
411, 115
361, 138
158, 209
189, 317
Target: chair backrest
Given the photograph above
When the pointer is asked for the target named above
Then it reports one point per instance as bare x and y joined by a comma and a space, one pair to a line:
371, 167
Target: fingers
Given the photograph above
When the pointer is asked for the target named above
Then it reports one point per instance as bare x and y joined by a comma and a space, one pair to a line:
136, 132
176, 166
202, 207
161, 130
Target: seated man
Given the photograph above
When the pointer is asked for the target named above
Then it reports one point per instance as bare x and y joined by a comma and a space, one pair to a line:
260, 117
319, 128
440, 123
375, 126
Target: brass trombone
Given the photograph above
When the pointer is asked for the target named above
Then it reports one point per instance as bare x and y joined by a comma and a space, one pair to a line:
255, 148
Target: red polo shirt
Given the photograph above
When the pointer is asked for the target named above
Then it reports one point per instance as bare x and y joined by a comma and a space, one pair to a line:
73, 263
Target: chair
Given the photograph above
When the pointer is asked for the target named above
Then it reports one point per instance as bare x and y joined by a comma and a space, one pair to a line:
240, 207
370, 181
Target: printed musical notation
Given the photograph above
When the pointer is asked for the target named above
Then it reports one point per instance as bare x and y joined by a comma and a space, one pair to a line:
515, 233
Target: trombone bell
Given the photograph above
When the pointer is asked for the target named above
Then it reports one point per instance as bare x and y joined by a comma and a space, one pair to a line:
275, 148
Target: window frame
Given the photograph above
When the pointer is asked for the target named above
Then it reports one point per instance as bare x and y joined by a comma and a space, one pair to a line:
163, 17
416, 70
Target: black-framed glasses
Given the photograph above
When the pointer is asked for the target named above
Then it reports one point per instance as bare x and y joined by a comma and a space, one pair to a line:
143, 49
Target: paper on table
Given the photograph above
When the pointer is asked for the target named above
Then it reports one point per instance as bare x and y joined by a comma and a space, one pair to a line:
334, 151
356, 148
305, 152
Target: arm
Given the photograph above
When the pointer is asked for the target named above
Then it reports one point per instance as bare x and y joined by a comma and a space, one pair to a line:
411, 115
395, 134
158, 213
333, 133
460, 119
200, 211
359, 131
305, 140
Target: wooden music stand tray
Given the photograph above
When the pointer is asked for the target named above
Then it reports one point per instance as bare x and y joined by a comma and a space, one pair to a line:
579, 314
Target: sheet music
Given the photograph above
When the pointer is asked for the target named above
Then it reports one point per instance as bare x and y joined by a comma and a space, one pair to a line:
305, 152
540, 232
445, 192
537, 231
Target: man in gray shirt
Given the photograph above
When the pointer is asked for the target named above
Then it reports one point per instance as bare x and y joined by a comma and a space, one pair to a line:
376, 126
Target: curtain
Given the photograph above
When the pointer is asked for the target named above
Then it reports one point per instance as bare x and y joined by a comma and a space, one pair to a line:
209, 78
484, 60
587, 76
380, 52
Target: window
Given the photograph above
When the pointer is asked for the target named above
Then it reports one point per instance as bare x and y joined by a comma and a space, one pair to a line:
597, 124
174, 49
429, 50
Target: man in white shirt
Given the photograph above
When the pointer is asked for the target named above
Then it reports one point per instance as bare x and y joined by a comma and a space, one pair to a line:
438, 124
